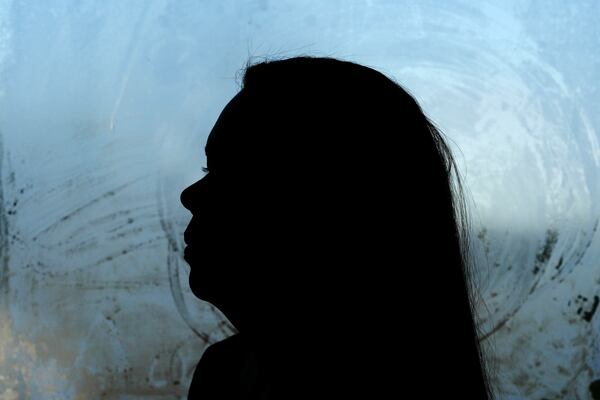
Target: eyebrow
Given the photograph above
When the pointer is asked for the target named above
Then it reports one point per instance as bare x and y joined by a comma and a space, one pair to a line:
206, 153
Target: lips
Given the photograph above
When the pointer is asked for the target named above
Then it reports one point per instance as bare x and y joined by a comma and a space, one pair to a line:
187, 236
187, 252
190, 231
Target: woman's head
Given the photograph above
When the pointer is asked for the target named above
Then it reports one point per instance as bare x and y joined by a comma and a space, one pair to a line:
330, 206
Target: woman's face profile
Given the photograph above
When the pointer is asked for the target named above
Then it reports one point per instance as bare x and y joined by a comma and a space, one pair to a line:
210, 234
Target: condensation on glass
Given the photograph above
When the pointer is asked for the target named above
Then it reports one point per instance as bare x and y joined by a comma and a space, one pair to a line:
104, 105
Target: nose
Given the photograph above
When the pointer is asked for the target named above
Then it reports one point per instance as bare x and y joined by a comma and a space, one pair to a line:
186, 197
195, 193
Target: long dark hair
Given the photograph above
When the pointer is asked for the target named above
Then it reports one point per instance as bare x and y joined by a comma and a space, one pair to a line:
359, 278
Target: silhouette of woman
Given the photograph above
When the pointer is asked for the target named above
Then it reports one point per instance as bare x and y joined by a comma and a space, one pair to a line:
329, 231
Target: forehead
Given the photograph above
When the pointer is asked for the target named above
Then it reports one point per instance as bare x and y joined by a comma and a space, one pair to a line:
229, 122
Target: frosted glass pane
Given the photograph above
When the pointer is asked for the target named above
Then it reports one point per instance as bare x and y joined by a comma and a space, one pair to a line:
104, 104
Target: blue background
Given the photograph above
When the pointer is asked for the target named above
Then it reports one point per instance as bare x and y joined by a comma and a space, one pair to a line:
103, 104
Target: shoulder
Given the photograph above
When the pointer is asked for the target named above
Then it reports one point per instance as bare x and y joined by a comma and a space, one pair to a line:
226, 350
218, 370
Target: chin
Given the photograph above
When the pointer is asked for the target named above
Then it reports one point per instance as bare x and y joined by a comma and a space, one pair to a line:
198, 291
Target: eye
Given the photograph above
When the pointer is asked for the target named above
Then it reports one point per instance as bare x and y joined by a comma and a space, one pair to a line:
205, 170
